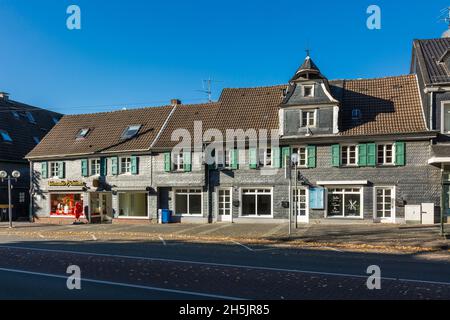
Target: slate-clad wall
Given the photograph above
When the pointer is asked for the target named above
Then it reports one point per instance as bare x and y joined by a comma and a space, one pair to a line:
438, 99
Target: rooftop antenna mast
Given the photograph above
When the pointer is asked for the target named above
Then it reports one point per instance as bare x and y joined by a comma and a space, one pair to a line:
207, 87
444, 16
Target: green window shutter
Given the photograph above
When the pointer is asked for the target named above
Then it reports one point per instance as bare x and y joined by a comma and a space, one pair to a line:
187, 163
44, 170
103, 168
371, 154
167, 162
114, 166
61, 170
84, 168
400, 153
285, 153
234, 156
134, 165
276, 158
336, 155
362, 155
311, 152
253, 158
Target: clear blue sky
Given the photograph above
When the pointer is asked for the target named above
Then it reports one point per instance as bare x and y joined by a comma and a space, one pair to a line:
138, 52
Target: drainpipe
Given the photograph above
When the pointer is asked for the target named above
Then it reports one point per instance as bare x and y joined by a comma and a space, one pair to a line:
31, 192
431, 110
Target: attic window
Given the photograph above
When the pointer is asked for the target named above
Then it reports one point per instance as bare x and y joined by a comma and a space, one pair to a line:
36, 140
308, 91
30, 117
5, 136
131, 131
356, 114
83, 133
15, 114
55, 120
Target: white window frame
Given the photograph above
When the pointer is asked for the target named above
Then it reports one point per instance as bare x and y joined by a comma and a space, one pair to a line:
444, 104
267, 160
256, 216
392, 218
305, 165
127, 167
223, 159
308, 118
188, 193
311, 86
384, 163
304, 219
52, 167
348, 155
178, 164
218, 189
361, 210
95, 166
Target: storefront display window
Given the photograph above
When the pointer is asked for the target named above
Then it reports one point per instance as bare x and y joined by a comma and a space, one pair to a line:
133, 204
344, 202
63, 204
188, 201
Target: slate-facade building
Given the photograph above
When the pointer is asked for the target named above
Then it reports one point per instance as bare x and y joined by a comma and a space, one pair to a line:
363, 152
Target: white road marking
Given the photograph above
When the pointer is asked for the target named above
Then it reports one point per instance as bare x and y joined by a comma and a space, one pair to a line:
121, 284
163, 241
216, 264
94, 237
243, 245
41, 236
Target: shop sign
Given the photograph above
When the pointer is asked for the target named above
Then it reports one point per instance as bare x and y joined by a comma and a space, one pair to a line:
66, 183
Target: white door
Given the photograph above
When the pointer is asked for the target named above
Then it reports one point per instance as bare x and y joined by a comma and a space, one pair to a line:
224, 205
301, 205
385, 204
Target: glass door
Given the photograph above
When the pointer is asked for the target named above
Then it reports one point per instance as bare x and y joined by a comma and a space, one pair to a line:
300, 204
385, 203
224, 206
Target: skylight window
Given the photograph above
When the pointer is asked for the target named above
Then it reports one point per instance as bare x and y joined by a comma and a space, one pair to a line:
131, 131
5, 136
30, 117
55, 120
36, 140
356, 114
83, 133
15, 114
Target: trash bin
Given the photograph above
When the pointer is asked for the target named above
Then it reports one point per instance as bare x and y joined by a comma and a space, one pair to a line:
166, 215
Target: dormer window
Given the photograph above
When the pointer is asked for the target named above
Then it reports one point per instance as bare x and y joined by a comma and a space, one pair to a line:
30, 117
36, 140
15, 114
131, 131
356, 114
308, 91
308, 118
83, 133
5, 136
55, 120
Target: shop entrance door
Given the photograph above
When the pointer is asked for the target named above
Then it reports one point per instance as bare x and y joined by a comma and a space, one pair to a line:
101, 207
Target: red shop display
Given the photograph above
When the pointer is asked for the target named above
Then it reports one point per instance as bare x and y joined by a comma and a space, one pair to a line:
65, 204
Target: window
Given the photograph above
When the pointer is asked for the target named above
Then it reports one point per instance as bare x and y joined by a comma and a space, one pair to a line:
55, 120
54, 169
131, 131
265, 157
223, 159
349, 155
125, 165
5, 136
64, 204
36, 140
356, 114
30, 117
95, 167
188, 201
16, 115
256, 202
179, 162
224, 202
308, 118
446, 118
83, 133
308, 91
302, 156
344, 202
133, 204
385, 154
21, 197
384, 202
300, 206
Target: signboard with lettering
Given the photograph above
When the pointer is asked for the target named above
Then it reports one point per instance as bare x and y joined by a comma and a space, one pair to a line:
316, 198
66, 183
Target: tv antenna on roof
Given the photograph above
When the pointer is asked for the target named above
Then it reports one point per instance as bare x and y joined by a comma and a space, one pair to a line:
207, 87
445, 17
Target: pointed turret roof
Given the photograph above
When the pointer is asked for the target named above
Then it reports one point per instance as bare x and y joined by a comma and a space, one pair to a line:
308, 70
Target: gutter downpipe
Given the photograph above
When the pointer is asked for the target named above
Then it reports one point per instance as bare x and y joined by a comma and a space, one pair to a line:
31, 191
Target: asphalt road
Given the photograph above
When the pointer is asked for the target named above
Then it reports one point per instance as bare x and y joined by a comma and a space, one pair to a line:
176, 270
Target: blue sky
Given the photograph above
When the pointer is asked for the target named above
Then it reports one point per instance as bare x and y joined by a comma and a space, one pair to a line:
137, 53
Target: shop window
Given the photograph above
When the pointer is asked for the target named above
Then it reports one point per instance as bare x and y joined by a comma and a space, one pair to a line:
95, 167
64, 204
188, 201
133, 204
256, 202
344, 202
125, 165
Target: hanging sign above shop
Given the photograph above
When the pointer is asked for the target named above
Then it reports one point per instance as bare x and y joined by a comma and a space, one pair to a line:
66, 183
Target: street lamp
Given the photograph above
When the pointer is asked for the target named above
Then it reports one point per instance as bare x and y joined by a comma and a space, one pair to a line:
294, 162
14, 175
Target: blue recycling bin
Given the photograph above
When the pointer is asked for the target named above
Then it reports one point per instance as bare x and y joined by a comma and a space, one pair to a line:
166, 216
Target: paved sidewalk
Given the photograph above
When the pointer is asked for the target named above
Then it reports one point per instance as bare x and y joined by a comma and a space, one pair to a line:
369, 237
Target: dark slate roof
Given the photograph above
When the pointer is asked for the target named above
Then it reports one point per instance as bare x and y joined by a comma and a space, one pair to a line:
105, 135
429, 52
183, 118
306, 69
21, 130
388, 105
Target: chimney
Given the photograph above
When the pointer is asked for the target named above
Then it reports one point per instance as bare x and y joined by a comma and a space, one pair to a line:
4, 96
175, 102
